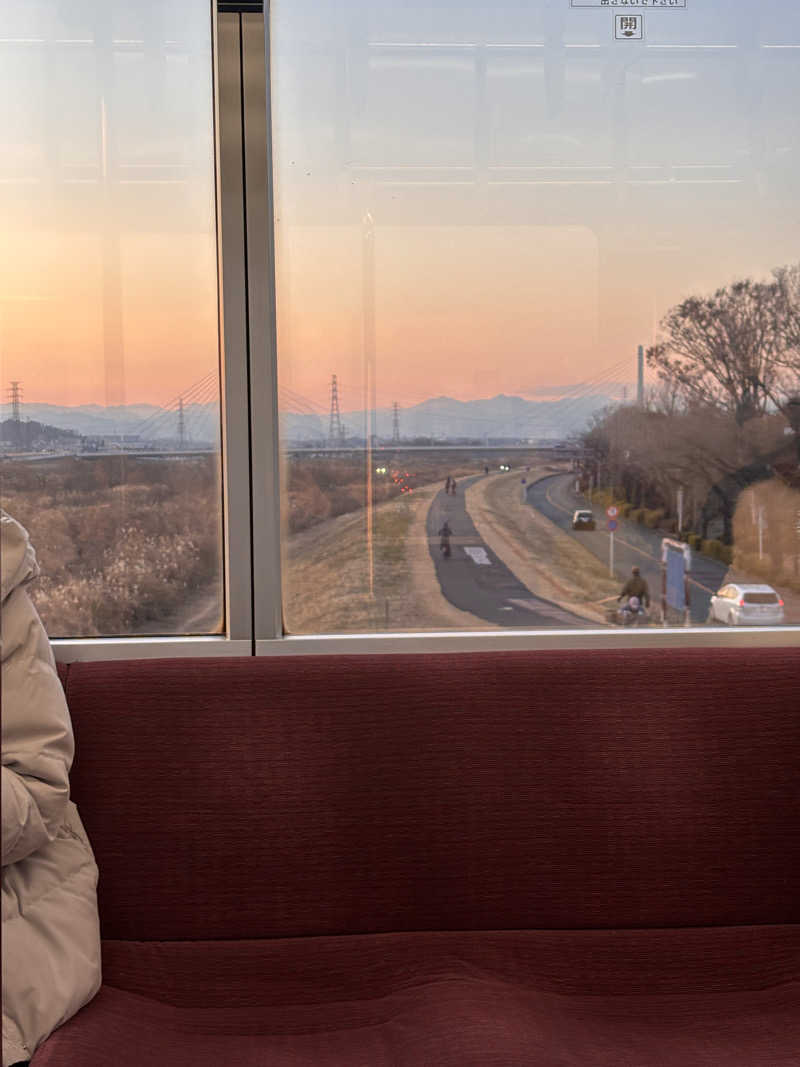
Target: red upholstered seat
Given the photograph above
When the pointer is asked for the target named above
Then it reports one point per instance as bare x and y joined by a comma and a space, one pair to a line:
437, 1012
536, 859
699, 997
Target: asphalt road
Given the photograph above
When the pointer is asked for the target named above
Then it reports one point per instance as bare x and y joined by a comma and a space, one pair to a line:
474, 579
636, 545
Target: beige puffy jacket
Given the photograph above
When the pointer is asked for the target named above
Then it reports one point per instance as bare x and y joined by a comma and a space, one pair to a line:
51, 930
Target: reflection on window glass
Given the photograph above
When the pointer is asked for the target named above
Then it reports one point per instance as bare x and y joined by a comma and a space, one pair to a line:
108, 312
538, 314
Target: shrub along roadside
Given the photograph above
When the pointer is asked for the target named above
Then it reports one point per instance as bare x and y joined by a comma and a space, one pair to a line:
716, 550
655, 519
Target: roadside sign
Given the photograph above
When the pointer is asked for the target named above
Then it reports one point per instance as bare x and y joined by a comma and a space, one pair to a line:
676, 563
664, 5
612, 512
612, 524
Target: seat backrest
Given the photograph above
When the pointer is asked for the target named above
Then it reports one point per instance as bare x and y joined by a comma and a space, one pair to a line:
294, 795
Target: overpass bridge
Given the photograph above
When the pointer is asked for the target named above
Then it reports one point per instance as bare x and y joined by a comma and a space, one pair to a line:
300, 450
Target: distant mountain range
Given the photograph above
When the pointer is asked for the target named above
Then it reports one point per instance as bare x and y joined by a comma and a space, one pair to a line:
439, 417
151, 423
443, 417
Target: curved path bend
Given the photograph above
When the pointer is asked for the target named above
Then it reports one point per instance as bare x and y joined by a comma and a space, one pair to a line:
476, 580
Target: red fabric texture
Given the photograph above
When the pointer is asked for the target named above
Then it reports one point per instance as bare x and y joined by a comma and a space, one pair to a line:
556, 859
318, 970
286, 796
442, 1000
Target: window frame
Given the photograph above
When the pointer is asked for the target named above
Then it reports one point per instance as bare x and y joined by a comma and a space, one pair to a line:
251, 447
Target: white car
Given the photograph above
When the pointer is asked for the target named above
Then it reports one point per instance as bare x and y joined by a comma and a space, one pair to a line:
746, 605
583, 519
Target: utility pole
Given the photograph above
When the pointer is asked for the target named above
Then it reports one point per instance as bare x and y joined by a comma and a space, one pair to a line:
181, 425
395, 424
336, 426
15, 394
761, 525
611, 553
640, 377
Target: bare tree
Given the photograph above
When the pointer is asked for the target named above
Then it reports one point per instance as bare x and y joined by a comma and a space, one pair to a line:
666, 397
787, 280
788, 307
722, 351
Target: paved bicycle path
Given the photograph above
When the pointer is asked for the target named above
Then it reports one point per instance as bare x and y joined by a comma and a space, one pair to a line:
636, 545
475, 579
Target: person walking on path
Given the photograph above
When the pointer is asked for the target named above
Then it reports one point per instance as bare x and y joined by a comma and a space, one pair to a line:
447, 484
453, 486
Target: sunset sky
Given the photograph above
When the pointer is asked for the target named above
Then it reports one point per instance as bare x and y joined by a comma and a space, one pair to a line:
539, 194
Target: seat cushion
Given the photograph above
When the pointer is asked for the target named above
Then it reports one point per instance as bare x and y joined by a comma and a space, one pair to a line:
305, 796
633, 998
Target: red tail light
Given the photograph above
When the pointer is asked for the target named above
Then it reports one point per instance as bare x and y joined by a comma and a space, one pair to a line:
741, 603
780, 603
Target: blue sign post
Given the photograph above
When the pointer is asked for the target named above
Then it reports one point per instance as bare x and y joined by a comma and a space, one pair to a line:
676, 563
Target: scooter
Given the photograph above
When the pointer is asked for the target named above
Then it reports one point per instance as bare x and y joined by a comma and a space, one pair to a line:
632, 616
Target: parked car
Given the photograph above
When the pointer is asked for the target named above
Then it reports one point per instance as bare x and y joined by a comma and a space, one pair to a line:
746, 605
583, 519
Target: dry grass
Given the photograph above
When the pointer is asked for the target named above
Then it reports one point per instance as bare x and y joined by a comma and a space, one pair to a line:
779, 562
326, 575
318, 489
123, 545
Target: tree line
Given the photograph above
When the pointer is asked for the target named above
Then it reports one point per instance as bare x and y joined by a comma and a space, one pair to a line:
723, 416
736, 352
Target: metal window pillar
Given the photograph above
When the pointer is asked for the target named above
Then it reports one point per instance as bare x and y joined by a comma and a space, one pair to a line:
248, 318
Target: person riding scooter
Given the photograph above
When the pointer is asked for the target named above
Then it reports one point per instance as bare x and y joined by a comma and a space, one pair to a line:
636, 596
444, 538
630, 612
636, 586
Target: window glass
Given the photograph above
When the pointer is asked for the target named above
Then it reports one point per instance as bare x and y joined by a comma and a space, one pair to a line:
108, 312
531, 260
760, 598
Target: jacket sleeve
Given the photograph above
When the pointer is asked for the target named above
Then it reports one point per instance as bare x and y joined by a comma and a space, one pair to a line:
38, 744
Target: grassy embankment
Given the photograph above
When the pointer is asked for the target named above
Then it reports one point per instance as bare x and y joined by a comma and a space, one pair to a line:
326, 576
552, 564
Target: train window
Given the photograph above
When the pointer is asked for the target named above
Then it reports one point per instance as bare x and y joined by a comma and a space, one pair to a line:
108, 312
533, 358
536, 262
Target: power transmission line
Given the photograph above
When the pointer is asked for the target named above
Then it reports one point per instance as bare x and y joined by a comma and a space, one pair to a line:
336, 427
15, 394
